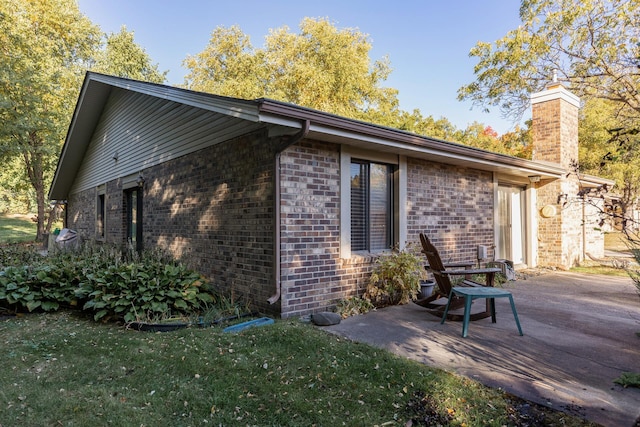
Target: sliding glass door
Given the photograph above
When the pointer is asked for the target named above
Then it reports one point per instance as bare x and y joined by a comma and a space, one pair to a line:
511, 224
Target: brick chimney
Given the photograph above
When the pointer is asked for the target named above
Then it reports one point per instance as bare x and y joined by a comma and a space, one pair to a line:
555, 140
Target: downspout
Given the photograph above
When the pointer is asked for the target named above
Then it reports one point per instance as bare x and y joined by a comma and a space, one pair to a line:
289, 141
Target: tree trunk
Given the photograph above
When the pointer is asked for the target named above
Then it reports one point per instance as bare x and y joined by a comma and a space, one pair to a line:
33, 161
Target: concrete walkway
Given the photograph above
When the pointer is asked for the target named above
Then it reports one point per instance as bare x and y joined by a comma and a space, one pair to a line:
579, 335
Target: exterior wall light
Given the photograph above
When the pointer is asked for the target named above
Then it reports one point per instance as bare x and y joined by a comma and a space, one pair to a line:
140, 180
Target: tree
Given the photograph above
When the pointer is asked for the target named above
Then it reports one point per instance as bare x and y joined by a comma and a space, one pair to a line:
591, 44
44, 45
16, 194
518, 142
45, 48
322, 67
415, 122
608, 149
122, 57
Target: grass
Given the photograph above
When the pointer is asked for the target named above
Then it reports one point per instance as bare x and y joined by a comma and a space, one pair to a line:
613, 241
616, 241
63, 369
601, 270
17, 229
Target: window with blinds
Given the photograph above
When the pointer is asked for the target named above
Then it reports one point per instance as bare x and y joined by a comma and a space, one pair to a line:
371, 205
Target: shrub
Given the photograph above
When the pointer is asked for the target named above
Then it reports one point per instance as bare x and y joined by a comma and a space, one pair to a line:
395, 279
628, 379
147, 286
18, 255
106, 282
353, 306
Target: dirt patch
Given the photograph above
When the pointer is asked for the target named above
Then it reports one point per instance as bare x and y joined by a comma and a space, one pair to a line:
520, 413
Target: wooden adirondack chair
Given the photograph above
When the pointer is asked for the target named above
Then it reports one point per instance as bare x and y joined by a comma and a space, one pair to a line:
437, 301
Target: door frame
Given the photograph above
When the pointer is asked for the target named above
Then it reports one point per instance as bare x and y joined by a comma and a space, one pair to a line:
528, 217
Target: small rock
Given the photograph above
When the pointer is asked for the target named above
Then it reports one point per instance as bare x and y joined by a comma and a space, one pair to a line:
325, 318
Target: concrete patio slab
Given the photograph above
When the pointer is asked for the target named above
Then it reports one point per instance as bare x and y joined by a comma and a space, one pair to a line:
579, 335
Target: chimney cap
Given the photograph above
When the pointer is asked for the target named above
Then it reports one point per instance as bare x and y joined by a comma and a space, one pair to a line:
554, 80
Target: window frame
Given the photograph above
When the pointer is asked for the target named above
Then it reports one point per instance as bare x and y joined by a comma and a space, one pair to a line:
368, 241
131, 184
399, 190
101, 213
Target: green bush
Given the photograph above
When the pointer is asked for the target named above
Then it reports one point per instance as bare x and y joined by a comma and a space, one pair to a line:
395, 279
105, 282
35, 286
18, 255
628, 379
148, 286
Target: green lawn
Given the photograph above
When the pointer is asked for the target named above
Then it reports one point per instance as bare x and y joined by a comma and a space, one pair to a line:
17, 228
616, 241
64, 369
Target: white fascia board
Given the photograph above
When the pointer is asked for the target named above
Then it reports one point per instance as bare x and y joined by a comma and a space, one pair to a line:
411, 150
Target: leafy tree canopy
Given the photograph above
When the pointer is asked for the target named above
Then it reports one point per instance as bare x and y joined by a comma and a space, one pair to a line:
322, 67
591, 44
122, 57
325, 68
44, 46
609, 150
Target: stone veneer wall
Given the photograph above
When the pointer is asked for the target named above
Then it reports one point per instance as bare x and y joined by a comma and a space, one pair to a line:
593, 230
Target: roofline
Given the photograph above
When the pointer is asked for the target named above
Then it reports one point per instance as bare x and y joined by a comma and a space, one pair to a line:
235, 107
595, 181
289, 118
272, 111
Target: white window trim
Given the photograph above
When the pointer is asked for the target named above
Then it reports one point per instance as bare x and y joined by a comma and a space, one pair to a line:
346, 154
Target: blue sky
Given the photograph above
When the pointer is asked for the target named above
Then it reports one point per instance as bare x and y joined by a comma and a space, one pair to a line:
427, 41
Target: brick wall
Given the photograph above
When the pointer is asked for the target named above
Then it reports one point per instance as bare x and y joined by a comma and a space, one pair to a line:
555, 139
453, 205
313, 278
213, 208
81, 213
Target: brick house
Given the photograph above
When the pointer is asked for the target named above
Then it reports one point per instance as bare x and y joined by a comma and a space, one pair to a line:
290, 206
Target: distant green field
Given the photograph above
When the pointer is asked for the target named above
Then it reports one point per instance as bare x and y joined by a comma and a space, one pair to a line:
17, 228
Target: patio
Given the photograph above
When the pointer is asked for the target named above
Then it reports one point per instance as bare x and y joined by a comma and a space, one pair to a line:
579, 335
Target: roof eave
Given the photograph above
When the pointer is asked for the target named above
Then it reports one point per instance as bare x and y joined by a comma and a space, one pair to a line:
93, 96
329, 127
